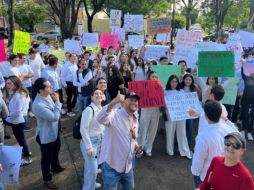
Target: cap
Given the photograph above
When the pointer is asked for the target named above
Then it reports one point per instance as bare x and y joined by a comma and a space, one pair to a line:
239, 137
132, 95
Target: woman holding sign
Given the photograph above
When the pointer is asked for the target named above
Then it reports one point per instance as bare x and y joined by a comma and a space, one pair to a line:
173, 87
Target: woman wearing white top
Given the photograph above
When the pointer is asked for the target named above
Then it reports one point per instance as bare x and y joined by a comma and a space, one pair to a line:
91, 132
15, 118
140, 70
173, 87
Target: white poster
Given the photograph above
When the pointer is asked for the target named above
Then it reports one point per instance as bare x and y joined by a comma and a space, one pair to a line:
134, 23
234, 44
136, 40
89, 39
179, 104
190, 55
72, 46
163, 37
120, 32
115, 18
156, 51
187, 39
10, 158
247, 39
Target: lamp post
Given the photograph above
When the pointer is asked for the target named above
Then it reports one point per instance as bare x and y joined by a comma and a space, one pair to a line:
173, 23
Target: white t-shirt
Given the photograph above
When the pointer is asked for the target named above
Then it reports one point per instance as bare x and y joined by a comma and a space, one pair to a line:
36, 65
10, 71
4, 67
25, 70
139, 73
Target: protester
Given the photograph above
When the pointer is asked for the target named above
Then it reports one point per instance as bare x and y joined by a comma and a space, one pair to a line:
47, 110
183, 65
12, 69
228, 172
140, 70
119, 142
126, 73
16, 119
91, 132
97, 70
3, 114
178, 127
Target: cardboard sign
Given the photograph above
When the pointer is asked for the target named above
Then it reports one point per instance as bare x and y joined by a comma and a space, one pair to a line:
165, 71
247, 39
156, 51
187, 39
216, 64
136, 40
115, 18
158, 25
231, 88
72, 46
2, 51
249, 66
21, 42
150, 92
89, 39
120, 32
107, 40
10, 159
179, 104
163, 37
134, 23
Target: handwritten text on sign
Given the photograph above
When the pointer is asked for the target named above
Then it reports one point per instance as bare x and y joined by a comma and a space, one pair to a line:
158, 25
155, 51
134, 23
179, 104
21, 42
72, 46
90, 39
150, 92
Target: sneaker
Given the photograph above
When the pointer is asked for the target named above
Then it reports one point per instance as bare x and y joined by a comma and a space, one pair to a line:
188, 157
149, 154
71, 114
97, 185
250, 137
243, 133
99, 171
63, 111
25, 162
30, 114
27, 129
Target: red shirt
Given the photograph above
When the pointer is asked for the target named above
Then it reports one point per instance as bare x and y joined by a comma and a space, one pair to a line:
221, 177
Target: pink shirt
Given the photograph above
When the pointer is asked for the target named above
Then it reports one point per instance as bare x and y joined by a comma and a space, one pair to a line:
117, 145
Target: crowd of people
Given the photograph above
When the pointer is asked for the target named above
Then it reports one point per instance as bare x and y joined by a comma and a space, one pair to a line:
114, 131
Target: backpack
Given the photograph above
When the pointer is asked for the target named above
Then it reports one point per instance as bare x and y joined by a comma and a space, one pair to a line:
76, 126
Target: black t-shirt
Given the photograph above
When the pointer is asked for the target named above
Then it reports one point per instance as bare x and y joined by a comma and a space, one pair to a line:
113, 86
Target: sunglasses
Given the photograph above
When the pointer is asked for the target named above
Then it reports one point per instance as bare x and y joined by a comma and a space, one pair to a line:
236, 145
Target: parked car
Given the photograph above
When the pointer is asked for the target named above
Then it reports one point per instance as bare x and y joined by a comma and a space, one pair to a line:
51, 35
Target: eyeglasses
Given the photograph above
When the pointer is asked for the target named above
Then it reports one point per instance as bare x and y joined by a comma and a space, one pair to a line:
236, 146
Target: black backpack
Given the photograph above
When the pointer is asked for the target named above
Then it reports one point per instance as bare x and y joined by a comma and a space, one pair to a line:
76, 126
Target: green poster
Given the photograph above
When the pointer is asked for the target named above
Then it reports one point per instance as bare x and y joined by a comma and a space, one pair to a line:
164, 72
216, 64
230, 87
21, 42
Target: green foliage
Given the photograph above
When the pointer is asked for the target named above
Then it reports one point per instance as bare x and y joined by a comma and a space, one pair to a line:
28, 13
180, 21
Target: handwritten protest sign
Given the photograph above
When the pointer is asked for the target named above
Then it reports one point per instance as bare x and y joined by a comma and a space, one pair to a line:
209, 46
247, 38
158, 25
156, 51
107, 40
134, 23
230, 86
234, 44
216, 64
72, 46
136, 40
10, 159
60, 54
115, 18
21, 42
89, 39
165, 71
187, 39
2, 51
179, 104
120, 32
150, 92
188, 54
249, 66
163, 37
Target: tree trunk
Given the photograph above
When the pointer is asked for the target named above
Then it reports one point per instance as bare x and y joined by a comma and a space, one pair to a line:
90, 24
187, 18
218, 18
251, 16
11, 22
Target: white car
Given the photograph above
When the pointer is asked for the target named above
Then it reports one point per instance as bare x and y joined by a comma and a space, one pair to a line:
51, 35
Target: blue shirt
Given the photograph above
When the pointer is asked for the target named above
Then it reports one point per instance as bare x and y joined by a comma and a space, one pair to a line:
51, 75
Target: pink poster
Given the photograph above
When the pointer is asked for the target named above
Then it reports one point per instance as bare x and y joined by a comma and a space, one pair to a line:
107, 40
2, 51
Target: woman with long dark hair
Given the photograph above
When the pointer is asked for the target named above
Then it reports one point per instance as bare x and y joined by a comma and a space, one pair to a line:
126, 73
140, 71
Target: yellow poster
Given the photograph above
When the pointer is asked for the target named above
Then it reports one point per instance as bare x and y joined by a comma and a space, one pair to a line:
21, 42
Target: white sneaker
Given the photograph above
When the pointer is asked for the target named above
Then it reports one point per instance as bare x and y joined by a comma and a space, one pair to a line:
25, 162
63, 111
30, 114
250, 137
71, 114
243, 133
99, 171
149, 154
97, 185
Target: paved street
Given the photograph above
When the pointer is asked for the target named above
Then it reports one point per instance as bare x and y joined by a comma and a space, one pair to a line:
160, 172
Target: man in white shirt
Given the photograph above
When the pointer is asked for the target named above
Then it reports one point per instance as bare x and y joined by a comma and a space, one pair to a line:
209, 142
45, 46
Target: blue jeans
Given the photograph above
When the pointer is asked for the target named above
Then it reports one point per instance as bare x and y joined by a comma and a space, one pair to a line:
91, 164
197, 181
112, 178
82, 102
1, 186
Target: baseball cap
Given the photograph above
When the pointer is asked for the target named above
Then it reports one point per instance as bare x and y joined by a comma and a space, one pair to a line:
238, 137
132, 95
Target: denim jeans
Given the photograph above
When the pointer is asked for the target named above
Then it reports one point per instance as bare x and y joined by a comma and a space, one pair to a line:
112, 178
82, 102
1, 186
91, 164
197, 181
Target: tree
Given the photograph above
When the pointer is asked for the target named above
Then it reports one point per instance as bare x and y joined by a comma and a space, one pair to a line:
67, 12
10, 14
251, 15
94, 5
27, 14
